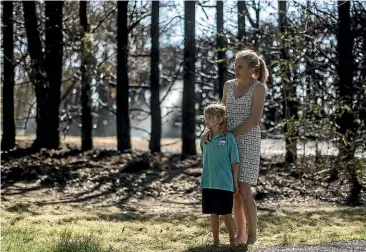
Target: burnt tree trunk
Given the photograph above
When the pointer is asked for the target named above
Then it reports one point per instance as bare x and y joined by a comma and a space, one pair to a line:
220, 48
86, 118
188, 106
289, 89
155, 139
8, 137
346, 121
53, 66
123, 120
241, 24
38, 73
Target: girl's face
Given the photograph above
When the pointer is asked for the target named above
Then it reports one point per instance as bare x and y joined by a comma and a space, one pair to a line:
242, 69
211, 121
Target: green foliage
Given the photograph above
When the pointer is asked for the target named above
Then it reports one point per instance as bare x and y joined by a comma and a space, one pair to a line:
87, 42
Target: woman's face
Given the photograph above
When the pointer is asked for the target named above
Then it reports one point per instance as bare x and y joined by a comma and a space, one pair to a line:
242, 69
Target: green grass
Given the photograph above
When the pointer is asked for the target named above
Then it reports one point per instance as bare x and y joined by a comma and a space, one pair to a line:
69, 229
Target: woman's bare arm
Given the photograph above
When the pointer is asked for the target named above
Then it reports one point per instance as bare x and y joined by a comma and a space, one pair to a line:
224, 92
257, 111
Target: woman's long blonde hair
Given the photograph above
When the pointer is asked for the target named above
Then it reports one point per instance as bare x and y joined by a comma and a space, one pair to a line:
261, 72
218, 110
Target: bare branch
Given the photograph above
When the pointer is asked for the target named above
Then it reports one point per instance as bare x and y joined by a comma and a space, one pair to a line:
139, 110
203, 9
100, 23
248, 15
173, 81
139, 55
134, 24
141, 129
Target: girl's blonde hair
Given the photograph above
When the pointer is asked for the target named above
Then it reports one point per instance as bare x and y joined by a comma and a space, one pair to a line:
218, 110
254, 61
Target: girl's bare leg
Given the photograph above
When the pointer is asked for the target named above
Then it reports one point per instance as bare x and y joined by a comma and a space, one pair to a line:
250, 211
215, 227
229, 224
241, 232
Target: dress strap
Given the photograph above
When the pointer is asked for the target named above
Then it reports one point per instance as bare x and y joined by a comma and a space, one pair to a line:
256, 83
232, 83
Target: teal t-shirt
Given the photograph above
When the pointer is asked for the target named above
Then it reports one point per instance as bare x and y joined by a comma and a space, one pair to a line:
217, 157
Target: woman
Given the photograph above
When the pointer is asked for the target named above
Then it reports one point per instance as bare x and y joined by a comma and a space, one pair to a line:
244, 97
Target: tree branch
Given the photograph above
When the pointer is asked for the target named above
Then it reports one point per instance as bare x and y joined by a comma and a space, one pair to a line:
134, 24
100, 23
248, 15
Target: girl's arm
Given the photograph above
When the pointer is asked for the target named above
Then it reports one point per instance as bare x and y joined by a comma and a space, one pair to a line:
257, 111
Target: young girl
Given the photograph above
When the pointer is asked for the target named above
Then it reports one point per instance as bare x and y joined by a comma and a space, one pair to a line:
220, 160
244, 98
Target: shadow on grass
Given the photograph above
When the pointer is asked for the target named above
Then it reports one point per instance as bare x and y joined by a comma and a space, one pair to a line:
312, 218
265, 221
222, 248
199, 220
20, 208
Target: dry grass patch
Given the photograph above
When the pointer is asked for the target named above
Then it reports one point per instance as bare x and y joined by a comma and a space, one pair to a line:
68, 229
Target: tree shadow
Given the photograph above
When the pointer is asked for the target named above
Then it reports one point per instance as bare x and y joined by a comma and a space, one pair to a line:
161, 218
18, 153
312, 218
46, 176
306, 181
99, 175
90, 176
334, 246
20, 208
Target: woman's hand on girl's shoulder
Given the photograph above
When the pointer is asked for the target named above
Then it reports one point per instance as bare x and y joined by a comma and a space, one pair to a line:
207, 134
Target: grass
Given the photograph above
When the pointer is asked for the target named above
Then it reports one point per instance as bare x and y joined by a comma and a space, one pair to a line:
71, 229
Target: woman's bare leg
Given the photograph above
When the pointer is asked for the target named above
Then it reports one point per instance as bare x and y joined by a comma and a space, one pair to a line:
240, 222
250, 211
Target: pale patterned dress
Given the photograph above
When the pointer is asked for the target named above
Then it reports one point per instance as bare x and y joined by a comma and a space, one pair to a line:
249, 144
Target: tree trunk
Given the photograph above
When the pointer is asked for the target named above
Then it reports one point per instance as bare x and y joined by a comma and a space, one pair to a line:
346, 122
363, 101
38, 73
53, 67
8, 137
123, 120
241, 24
188, 106
155, 139
220, 48
86, 118
345, 73
289, 90
46, 70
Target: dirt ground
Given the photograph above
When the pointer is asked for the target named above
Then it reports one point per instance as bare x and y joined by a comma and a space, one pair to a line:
147, 183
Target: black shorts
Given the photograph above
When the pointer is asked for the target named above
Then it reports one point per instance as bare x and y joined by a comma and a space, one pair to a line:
215, 201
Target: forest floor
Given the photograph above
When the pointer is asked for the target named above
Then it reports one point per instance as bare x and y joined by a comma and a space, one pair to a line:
102, 200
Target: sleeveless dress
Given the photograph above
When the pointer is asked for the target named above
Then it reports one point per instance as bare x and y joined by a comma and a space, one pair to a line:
249, 144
